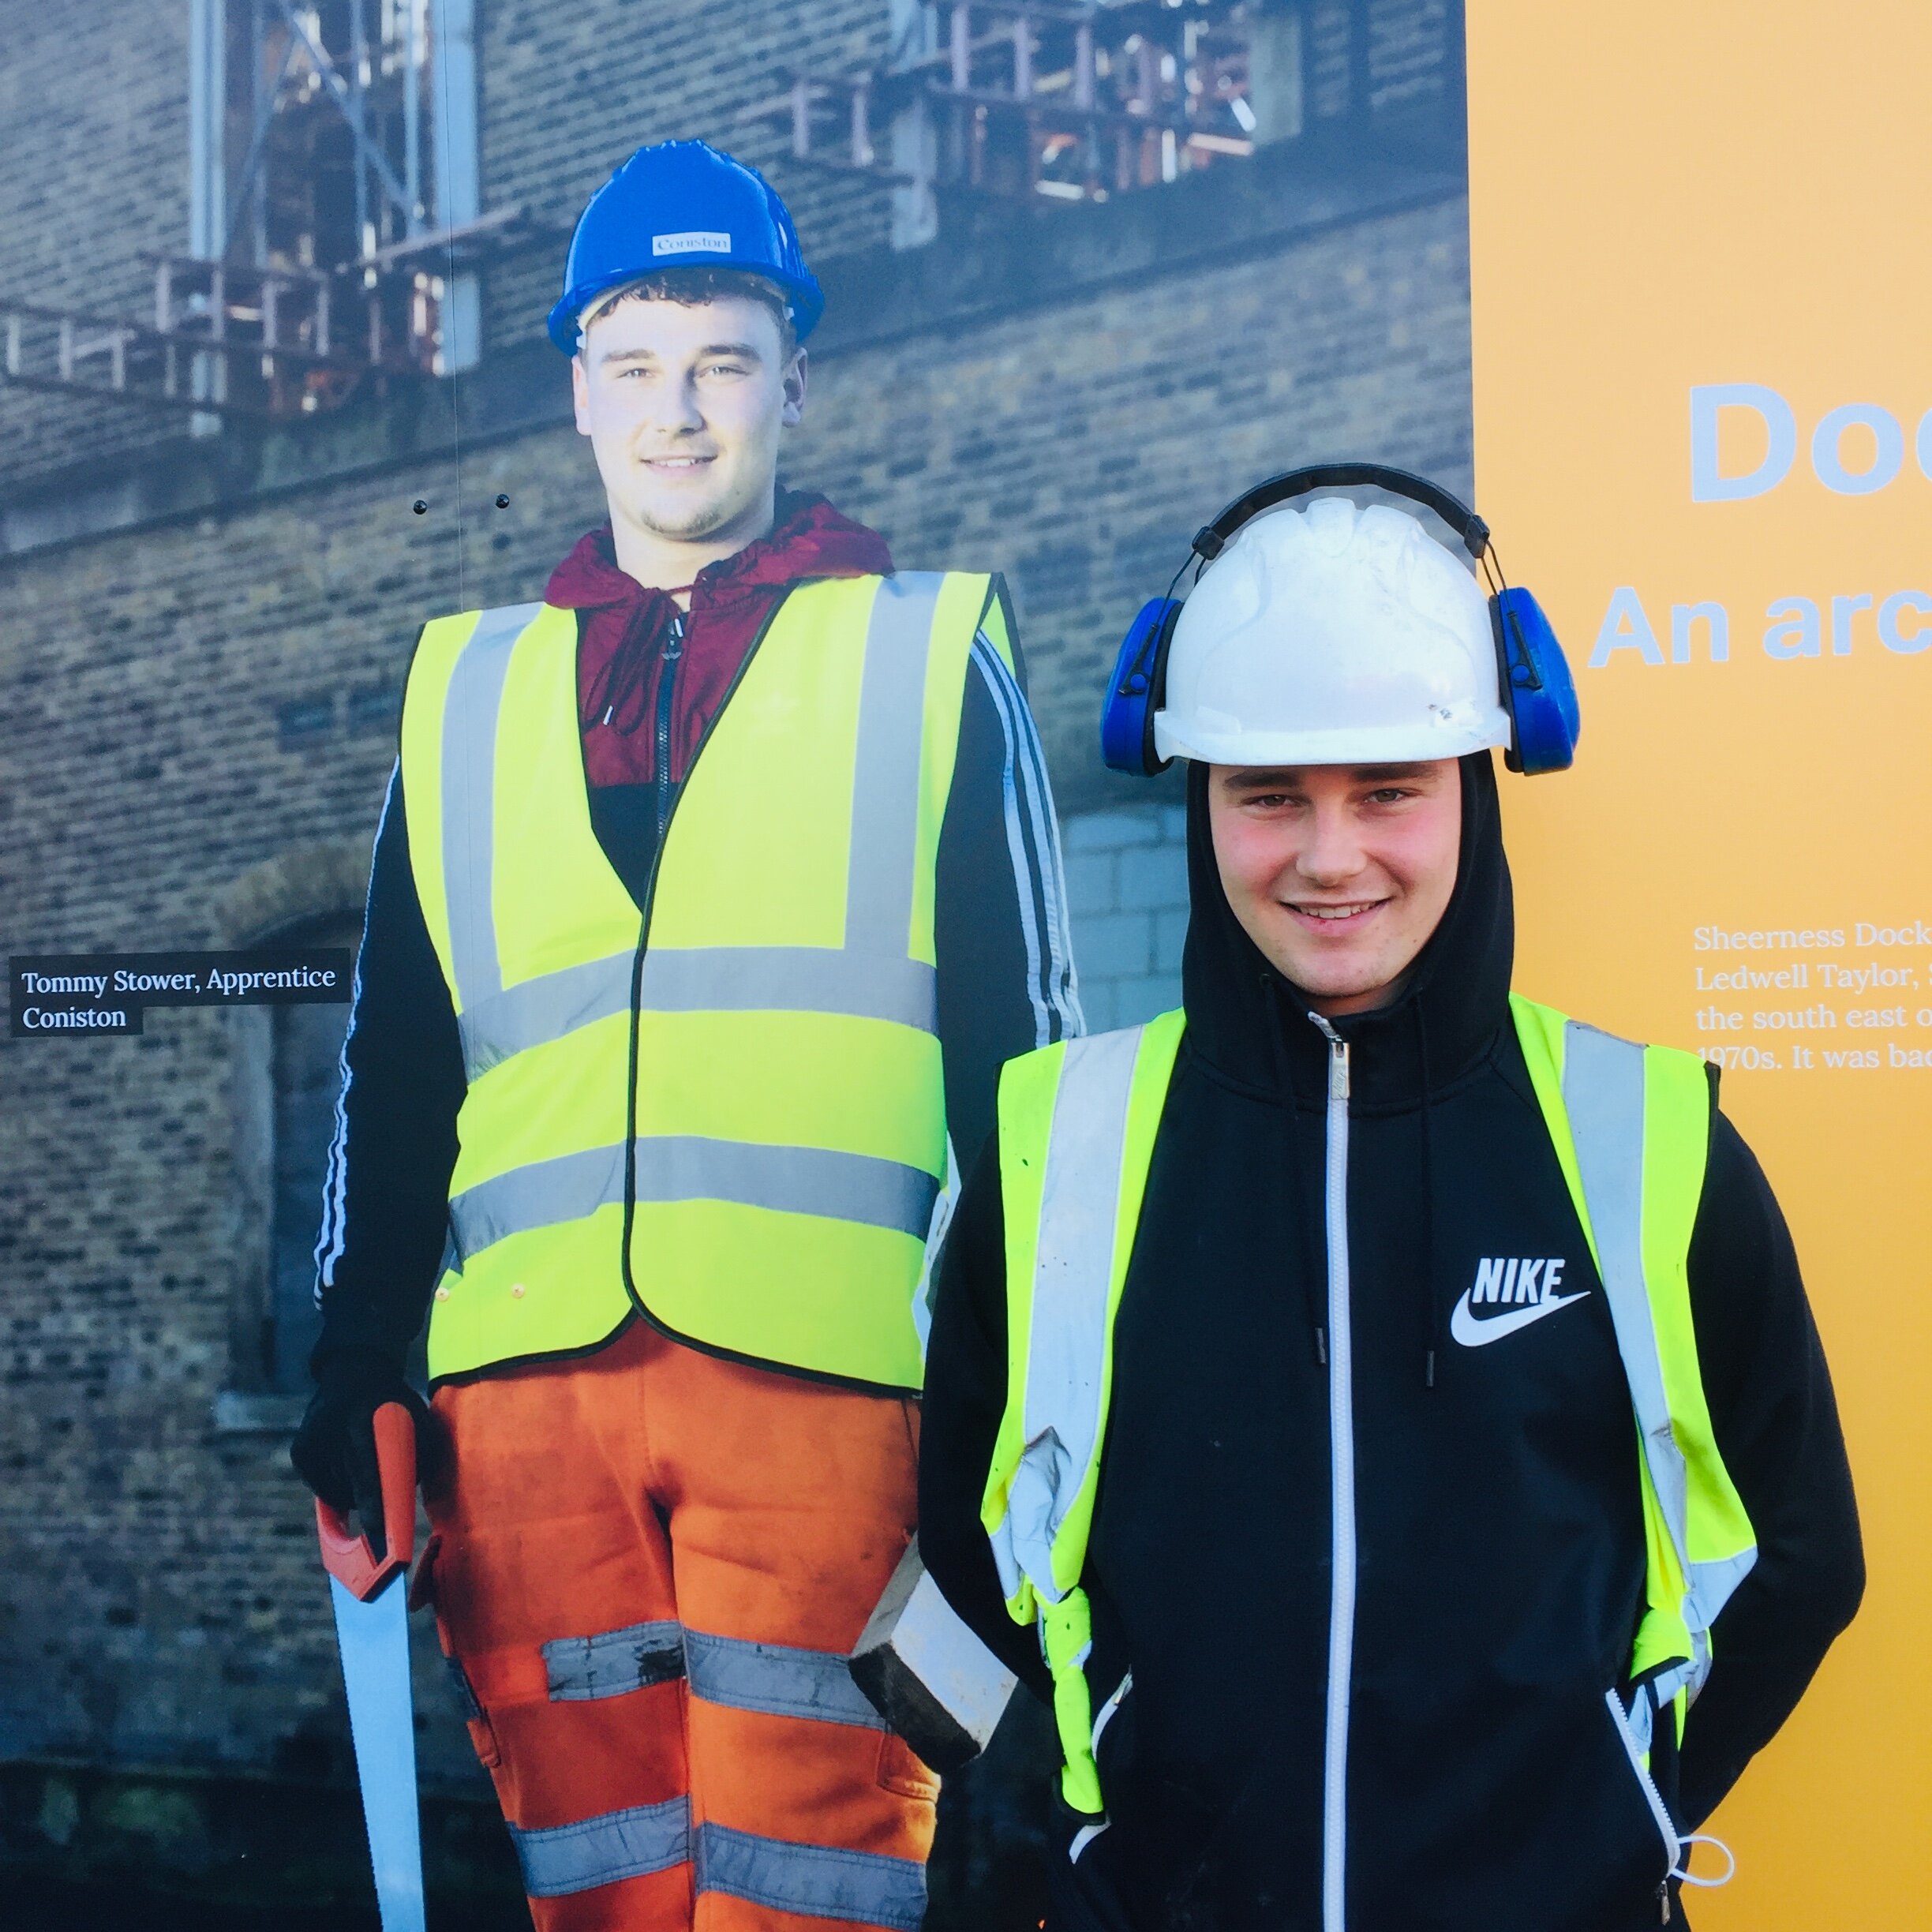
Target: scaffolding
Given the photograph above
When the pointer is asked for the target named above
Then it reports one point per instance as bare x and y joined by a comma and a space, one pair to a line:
1082, 100
340, 246
1032, 97
336, 230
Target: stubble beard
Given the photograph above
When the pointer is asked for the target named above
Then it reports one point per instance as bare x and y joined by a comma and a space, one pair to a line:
694, 526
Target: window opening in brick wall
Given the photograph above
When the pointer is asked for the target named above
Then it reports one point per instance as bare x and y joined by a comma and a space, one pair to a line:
299, 1064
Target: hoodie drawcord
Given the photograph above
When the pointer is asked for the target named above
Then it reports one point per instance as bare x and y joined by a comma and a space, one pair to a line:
1312, 1290
1432, 1294
620, 698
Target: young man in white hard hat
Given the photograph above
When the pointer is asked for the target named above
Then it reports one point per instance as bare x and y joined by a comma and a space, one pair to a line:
1287, 1349
710, 892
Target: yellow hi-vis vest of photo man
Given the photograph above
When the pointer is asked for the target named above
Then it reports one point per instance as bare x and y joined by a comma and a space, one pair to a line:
738, 1130
1630, 1125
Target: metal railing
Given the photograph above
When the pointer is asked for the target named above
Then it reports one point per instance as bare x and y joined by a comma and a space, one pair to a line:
1083, 99
230, 340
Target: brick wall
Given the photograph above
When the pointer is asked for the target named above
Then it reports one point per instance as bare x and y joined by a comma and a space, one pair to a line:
1126, 872
95, 102
96, 99
158, 1600
196, 702
1080, 443
569, 91
93, 106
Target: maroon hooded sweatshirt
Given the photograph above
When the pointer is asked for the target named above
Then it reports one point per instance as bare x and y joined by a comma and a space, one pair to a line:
623, 629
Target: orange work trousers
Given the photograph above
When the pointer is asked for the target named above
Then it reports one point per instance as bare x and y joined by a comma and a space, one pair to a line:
649, 1568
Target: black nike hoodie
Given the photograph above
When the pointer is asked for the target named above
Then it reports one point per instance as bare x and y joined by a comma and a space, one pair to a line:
1496, 1547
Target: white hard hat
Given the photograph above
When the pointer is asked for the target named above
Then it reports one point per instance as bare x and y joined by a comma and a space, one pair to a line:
1332, 635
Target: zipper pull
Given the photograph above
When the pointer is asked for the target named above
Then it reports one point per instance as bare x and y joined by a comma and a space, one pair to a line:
1338, 1069
1664, 1911
1338, 1058
674, 644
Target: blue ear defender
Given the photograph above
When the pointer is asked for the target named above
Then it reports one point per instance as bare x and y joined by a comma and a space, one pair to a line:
1133, 695
1536, 685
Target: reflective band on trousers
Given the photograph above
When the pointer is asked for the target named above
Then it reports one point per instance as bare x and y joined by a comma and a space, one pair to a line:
782, 1680
613, 1662
820, 1881
1630, 1125
563, 1859
807, 1181
779, 1680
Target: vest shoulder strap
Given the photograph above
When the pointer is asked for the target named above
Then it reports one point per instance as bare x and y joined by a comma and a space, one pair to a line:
1078, 1121
1630, 1125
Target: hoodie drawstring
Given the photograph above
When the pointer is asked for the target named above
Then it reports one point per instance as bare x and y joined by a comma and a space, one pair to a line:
620, 697
1431, 1293
1313, 1293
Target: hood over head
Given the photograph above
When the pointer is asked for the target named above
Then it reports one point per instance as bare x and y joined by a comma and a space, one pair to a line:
1439, 1029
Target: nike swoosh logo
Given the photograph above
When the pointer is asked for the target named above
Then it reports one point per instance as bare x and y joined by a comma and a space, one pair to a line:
1473, 1334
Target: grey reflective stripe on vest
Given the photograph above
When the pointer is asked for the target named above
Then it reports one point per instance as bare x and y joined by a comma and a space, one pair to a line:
684, 1168
791, 979
872, 976
613, 1662
818, 1881
543, 1194
699, 979
535, 1012
563, 1859
470, 710
886, 770
805, 1181
1072, 1276
777, 1678
1603, 1088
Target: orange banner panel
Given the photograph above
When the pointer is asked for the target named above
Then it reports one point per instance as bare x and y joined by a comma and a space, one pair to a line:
1702, 306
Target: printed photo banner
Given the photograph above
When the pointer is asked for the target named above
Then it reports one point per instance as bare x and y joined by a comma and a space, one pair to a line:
1703, 407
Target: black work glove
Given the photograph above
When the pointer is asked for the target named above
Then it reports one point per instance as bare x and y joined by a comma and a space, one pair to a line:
335, 1449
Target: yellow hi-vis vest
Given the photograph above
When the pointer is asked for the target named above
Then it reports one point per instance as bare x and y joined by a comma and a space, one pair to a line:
724, 1111
1077, 1122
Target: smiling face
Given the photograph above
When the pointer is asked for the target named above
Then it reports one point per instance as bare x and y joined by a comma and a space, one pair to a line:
683, 402
1338, 872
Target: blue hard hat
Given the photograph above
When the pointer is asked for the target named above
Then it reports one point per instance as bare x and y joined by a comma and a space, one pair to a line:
683, 205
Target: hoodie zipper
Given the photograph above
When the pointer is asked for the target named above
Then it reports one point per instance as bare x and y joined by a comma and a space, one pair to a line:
1659, 1812
667, 687
667, 805
1341, 1492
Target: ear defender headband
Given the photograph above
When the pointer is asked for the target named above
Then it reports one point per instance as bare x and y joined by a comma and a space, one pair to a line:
1536, 686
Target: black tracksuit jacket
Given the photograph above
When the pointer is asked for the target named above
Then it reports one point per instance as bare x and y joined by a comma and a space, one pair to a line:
1498, 1559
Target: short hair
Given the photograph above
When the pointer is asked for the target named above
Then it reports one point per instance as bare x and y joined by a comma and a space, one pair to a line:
693, 287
